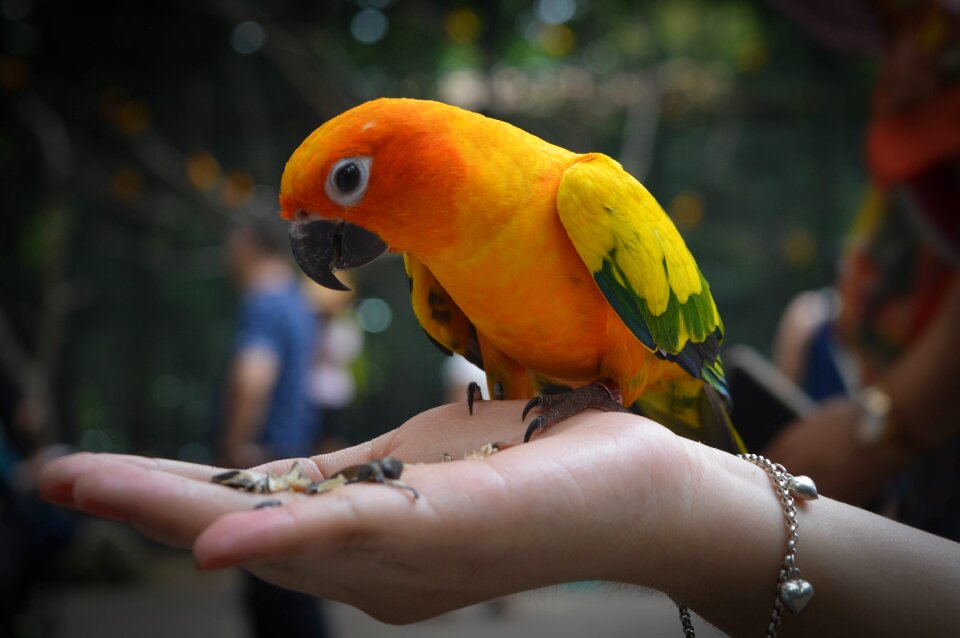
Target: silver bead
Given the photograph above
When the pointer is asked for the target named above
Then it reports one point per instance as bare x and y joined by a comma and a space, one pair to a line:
796, 593
803, 487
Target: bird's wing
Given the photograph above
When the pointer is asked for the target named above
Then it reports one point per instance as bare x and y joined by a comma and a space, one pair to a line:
642, 265
439, 315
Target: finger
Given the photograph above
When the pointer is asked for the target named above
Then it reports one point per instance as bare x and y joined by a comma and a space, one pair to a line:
320, 525
281, 467
166, 507
57, 477
281, 532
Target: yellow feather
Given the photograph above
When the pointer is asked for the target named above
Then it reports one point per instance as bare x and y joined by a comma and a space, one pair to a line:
608, 212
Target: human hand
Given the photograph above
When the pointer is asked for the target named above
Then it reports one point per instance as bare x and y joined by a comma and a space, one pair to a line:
596, 497
825, 445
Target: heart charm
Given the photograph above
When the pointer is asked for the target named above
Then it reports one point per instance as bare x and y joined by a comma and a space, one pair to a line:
796, 593
803, 487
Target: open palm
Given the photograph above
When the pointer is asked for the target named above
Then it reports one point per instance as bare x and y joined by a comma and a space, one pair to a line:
554, 510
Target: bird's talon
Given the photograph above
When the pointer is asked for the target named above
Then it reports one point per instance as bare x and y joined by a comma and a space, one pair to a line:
474, 394
535, 402
535, 425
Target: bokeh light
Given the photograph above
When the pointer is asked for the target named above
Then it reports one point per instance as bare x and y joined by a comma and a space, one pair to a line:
248, 37
237, 189
799, 248
686, 210
466, 88
374, 315
554, 11
203, 171
369, 26
462, 25
133, 117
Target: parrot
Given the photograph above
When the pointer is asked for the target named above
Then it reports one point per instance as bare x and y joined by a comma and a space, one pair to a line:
556, 272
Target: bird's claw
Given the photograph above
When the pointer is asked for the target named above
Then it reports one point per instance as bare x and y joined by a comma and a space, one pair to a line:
474, 394
603, 395
538, 423
535, 402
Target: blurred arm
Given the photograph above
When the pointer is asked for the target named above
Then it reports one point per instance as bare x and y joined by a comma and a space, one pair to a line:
923, 387
923, 384
253, 375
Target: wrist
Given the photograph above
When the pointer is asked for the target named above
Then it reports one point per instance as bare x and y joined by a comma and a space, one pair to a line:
726, 552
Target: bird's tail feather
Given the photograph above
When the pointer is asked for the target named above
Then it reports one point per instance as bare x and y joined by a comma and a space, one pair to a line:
705, 417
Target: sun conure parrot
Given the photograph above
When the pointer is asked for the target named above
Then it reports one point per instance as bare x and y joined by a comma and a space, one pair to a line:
556, 272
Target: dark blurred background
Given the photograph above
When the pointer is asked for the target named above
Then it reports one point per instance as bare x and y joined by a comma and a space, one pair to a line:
131, 134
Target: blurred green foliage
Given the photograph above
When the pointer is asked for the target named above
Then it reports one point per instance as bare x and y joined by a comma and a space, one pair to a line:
131, 133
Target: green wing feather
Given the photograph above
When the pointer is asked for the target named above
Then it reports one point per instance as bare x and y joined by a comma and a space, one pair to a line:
642, 265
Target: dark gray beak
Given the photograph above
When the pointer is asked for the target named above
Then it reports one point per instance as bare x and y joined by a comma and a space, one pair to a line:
322, 247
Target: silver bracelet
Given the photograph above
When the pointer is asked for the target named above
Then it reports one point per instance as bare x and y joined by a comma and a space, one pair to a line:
792, 591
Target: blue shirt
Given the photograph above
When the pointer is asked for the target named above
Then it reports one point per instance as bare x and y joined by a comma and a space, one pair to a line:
281, 321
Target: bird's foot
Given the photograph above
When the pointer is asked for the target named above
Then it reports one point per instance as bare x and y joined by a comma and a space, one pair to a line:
474, 394
603, 395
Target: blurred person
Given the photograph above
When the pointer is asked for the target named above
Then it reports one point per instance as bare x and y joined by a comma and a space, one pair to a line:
883, 351
266, 412
32, 535
332, 386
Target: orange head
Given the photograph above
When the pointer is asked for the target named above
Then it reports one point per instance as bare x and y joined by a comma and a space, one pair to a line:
367, 180
411, 176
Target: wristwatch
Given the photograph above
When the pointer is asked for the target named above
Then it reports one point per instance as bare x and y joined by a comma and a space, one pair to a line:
875, 407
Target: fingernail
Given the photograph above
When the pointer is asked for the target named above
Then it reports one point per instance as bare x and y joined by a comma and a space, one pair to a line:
103, 511
61, 494
212, 565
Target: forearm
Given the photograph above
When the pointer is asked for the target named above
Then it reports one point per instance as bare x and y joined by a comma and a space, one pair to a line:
923, 383
240, 432
252, 378
871, 576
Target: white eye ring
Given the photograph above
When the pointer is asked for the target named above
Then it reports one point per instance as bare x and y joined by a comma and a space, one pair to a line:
348, 180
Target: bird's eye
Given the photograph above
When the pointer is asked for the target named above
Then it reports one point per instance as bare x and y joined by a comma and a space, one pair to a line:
347, 182
347, 178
